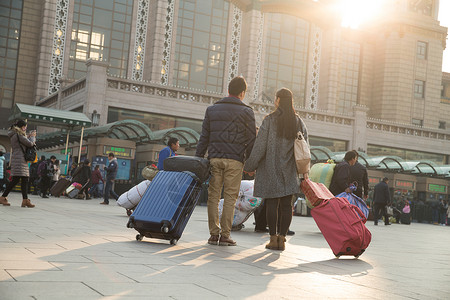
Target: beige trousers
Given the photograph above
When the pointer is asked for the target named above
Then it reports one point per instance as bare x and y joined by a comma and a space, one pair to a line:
226, 173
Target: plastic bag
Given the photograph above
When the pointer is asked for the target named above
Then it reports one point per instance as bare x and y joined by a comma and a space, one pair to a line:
406, 209
131, 198
355, 200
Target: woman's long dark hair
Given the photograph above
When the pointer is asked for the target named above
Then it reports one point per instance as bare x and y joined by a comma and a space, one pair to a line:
285, 115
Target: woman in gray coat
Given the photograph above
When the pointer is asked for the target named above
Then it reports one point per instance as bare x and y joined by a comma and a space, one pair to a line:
19, 167
272, 157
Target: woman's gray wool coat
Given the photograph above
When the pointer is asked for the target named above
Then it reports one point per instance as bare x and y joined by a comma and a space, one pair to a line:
273, 159
19, 167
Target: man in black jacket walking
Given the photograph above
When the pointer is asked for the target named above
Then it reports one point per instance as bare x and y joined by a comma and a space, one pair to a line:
228, 134
381, 198
358, 173
341, 179
111, 173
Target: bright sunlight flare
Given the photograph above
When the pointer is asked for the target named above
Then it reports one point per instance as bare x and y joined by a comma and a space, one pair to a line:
356, 12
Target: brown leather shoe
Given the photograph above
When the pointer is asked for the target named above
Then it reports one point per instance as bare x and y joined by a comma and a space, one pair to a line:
27, 203
104, 203
281, 242
273, 244
4, 201
213, 240
226, 241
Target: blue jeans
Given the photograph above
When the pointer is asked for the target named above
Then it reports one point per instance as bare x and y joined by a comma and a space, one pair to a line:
435, 215
95, 190
108, 190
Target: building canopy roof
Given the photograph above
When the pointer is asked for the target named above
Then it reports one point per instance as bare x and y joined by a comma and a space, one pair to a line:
50, 117
131, 130
384, 163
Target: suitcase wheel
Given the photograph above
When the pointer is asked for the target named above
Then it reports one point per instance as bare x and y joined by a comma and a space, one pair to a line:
359, 254
165, 227
173, 241
129, 212
139, 237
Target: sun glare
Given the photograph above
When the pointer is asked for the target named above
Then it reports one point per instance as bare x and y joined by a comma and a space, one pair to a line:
357, 12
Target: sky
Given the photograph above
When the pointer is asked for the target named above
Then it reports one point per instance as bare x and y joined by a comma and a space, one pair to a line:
444, 19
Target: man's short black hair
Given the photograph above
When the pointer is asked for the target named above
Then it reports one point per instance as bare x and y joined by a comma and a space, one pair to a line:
385, 179
237, 85
111, 154
52, 157
172, 141
43, 157
349, 155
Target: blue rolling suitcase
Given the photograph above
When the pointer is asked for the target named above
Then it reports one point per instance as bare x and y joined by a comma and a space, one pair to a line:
166, 206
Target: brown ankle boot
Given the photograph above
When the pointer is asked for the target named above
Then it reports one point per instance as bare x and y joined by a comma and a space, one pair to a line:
273, 244
4, 201
281, 240
27, 203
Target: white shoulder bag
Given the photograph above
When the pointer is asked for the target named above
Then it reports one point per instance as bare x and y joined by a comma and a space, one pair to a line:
302, 154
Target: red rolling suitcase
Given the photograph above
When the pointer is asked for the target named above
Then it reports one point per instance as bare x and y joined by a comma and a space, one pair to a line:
342, 225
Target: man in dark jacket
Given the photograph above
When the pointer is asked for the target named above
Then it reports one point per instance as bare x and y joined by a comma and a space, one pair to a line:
381, 198
46, 171
341, 179
111, 173
358, 173
83, 175
228, 134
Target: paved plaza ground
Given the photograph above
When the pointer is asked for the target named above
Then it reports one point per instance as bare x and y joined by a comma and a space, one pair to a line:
78, 249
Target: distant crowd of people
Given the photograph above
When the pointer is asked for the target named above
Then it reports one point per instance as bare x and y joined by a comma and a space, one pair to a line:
41, 175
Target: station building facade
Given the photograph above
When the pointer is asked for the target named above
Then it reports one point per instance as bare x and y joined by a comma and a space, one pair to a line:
378, 89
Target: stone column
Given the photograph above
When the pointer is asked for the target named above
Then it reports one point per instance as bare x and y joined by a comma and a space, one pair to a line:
96, 84
359, 141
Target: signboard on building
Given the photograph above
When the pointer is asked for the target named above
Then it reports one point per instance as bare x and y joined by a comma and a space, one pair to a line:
437, 188
69, 150
118, 151
404, 184
374, 180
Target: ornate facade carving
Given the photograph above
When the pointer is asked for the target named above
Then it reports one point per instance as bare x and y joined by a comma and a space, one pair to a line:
235, 43
167, 42
139, 45
259, 57
312, 94
59, 40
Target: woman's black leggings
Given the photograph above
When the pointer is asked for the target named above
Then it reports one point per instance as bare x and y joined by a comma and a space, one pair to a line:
12, 184
272, 206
